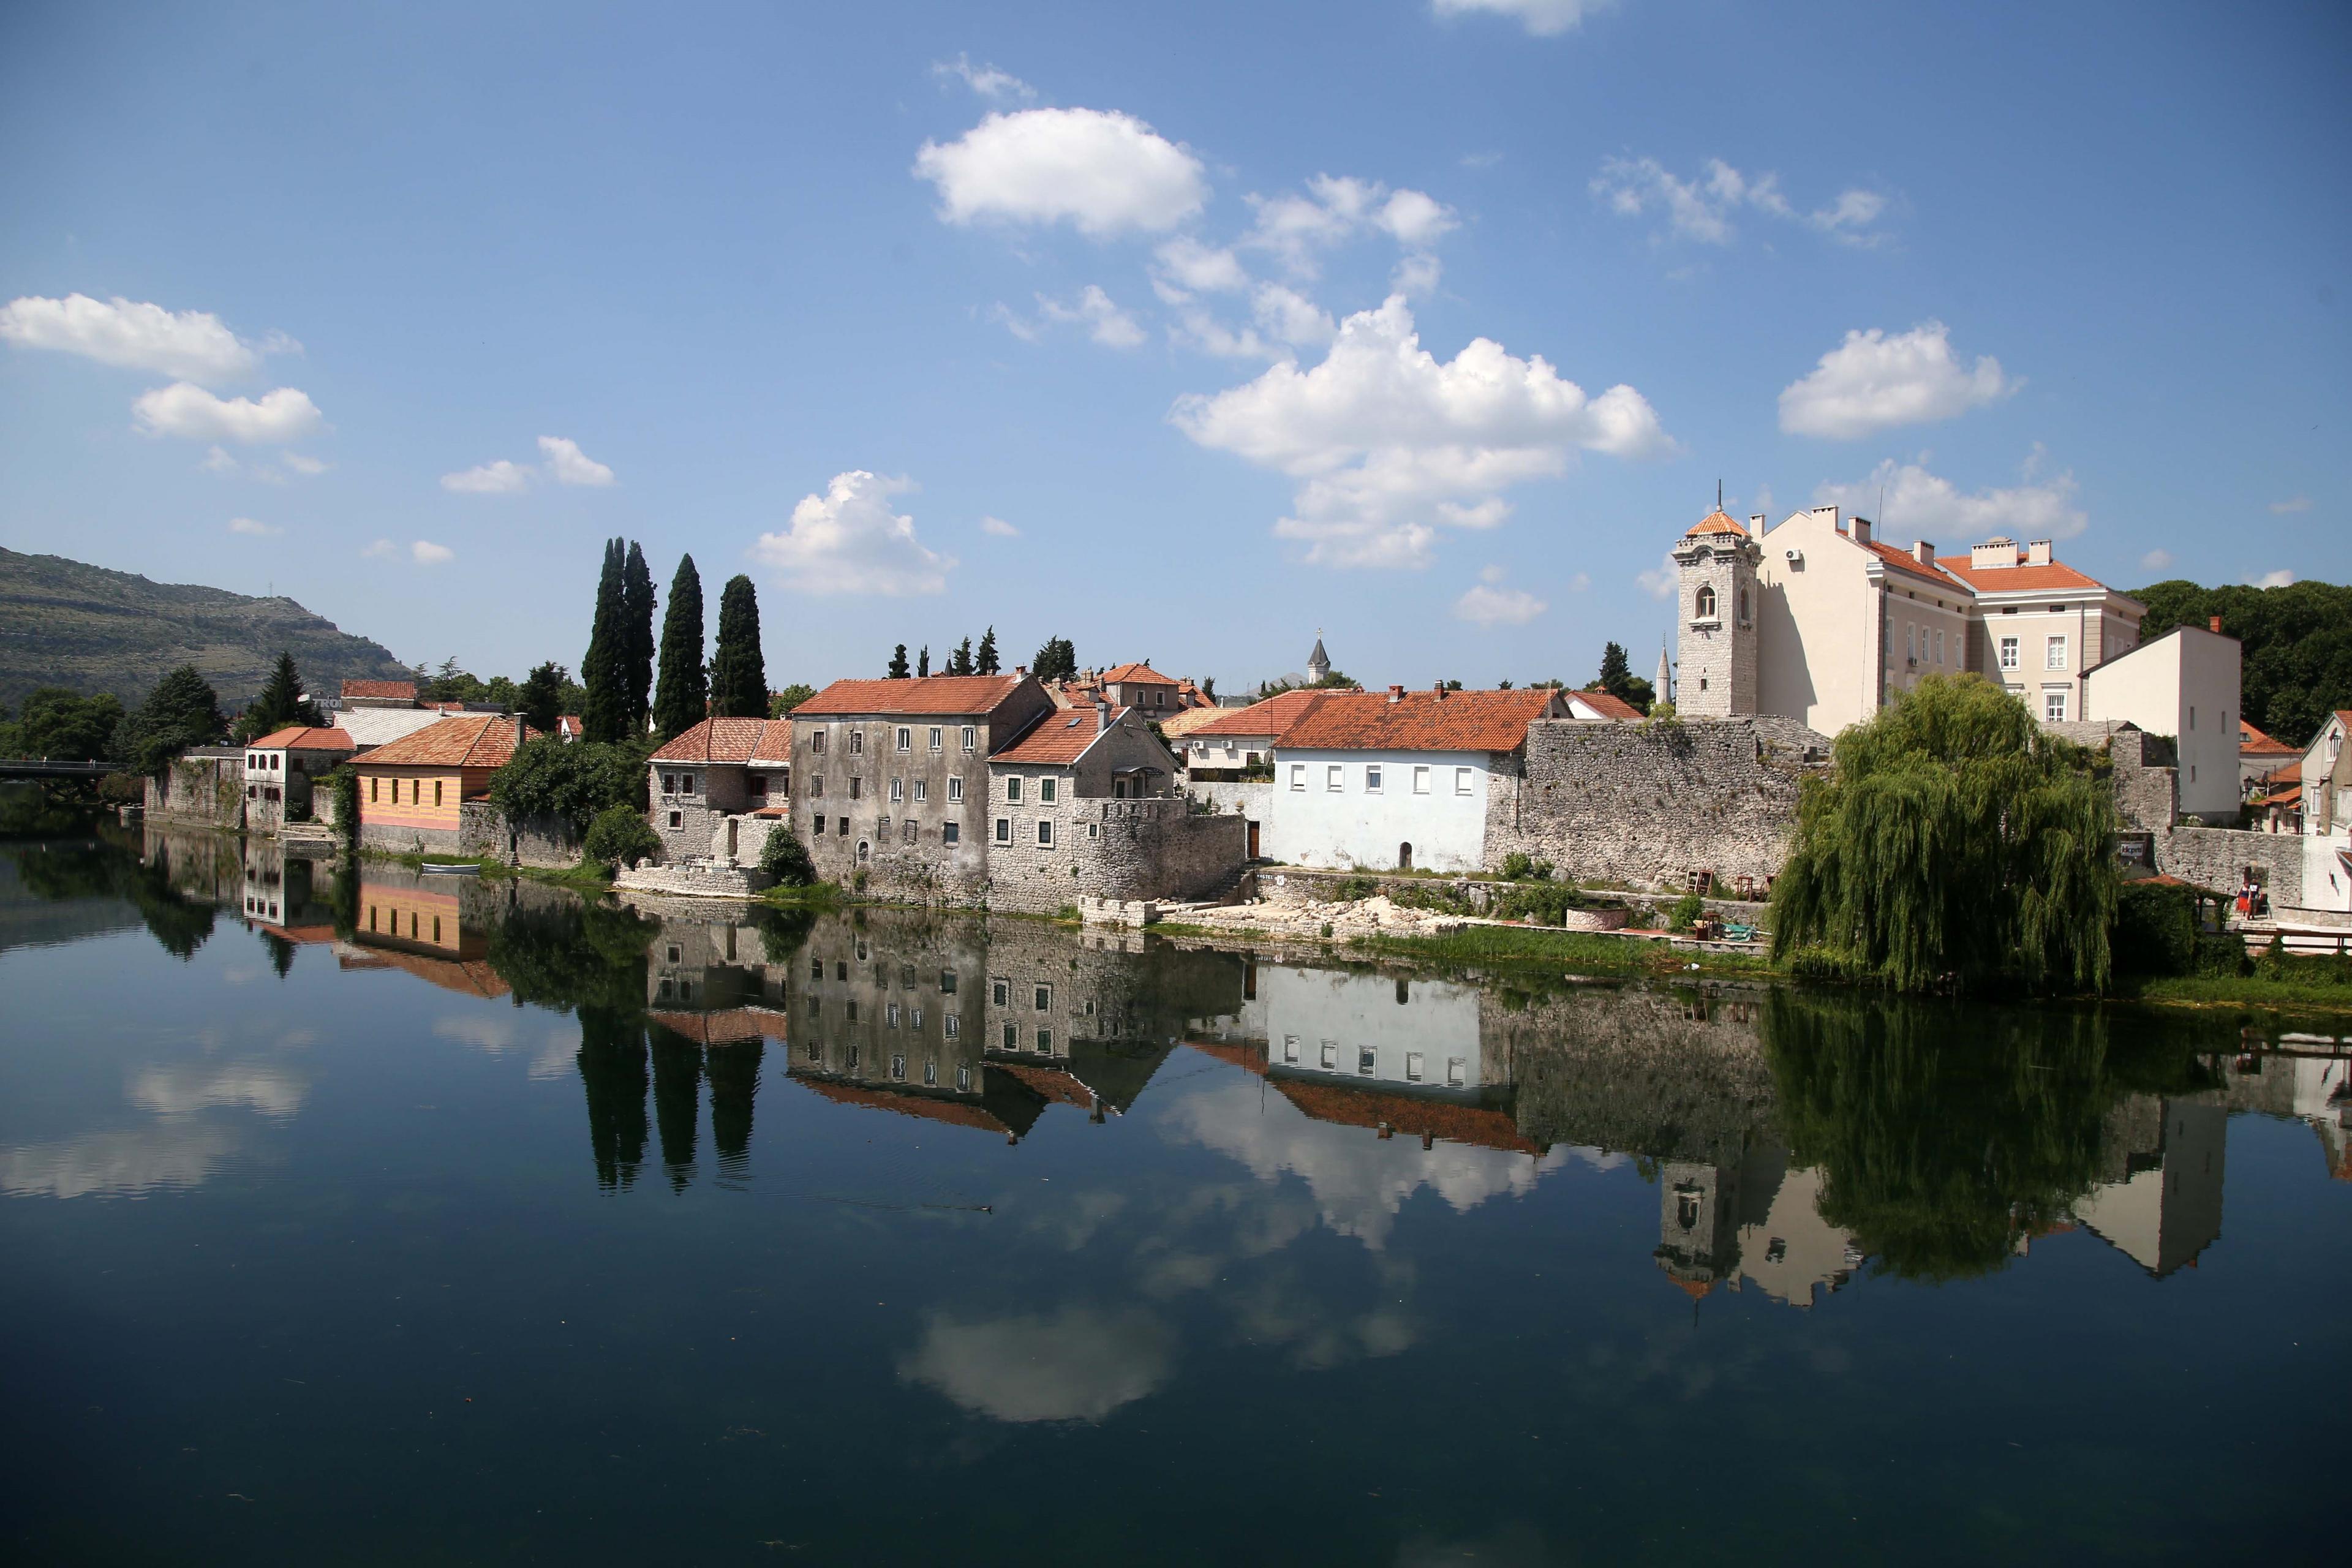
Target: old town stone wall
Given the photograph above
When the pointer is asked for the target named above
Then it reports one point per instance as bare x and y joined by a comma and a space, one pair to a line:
543, 841
1647, 804
1150, 849
200, 790
2147, 798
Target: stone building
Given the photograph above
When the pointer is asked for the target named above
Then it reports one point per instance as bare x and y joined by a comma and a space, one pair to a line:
411, 792
1717, 562
706, 782
202, 787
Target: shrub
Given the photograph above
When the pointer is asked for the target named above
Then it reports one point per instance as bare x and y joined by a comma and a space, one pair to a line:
1545, 903
1685, 912
1516, 866
577, 781
786, 859
619, 836
2155, 928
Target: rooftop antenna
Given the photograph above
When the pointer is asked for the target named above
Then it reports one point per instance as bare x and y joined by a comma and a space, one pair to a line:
1718, 493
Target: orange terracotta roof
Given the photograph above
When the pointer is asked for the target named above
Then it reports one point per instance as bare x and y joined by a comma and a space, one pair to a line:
1694, 1289
404, 690
1053, 1085
2291, 794
1351, 1106
1059, 740
1273, 716
2251, 740
302, 738
1420, 720
1716, 521
1905, 560
948, 696
718, 741
466, 976
923, 1106
734, 1026
471, 741
1138, 672
1249, 1058
2019, 579
1191, 719
1608, 706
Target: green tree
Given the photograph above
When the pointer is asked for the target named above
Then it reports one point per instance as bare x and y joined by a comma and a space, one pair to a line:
450, 683
575, 783
786, 859
1057, 660
738, 670
60, 724
685, 694
637, 604
1955, 842
541, 699
182, 712
985, 661
960, 661
605, 715
619, 836
281, 702
923, 661
790, 698
2297, 640
1616, 674
897, 670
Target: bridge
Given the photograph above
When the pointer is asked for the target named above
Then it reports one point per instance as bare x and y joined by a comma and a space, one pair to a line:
48, 768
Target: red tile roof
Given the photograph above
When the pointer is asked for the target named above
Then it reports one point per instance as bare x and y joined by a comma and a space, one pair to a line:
1138, 672
1905, 560
1059, 740
1351, 1106
2018, 579
948, 696
1051, 1084
1192, 719
404, 690
1608, 706
471, 741
734, 1026
1420, 720
928, 1108
1273, 716
1716, 521
2253, 740
720, 741
302, 738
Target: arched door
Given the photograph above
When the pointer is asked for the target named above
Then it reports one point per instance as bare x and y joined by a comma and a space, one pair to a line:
1405, 856
865, 851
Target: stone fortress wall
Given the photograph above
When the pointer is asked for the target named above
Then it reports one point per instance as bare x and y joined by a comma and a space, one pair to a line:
2147, 798
1155, 847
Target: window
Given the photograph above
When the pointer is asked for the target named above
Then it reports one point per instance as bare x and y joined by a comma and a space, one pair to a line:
922, 791
1413, 1066
857, 742
1940, 648
999, 992
678, 819
898, 790
670, 784
1331, 1055
1011, 1037
936, 733
1703, 606
931, 1075
1298, 775
1462, 781
757, 783
905, 739
951, 833
685, 784
970, 737
2009, 653
947, 981
865, 851
955, 792
1094, 830
1045, 790
2055, 653
890, 1015
371, 791
817, 970
1004, 830
857, 786
816, 743
819, 821
1372, 778
1045, 1041
1290, 1047
816, 787
1045, 833
1044, 998
1456, 1071
1420, 780
2054, 706
1365, 1061
1910, 641
1332, 778
953, 1025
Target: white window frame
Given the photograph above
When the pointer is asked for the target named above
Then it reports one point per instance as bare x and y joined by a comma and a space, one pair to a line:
906, 738
970, 737
2054, 651
1420, 779
1462, 781
1372, 778
1012, 789
1046, 791
1298, 778
937, 737
1414, 1066
898, 789
1004, 830
2054, 705
1334, 778
955, 791
2009, 655
1330, 1055
922, 791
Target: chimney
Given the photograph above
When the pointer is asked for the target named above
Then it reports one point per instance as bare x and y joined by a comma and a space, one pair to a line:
1438, 691
517, 724
1861, 526
2214, 624
1020, 669
1102, 716
1998, 551
1396, 693
2037, 552
1923, 552
1756, 523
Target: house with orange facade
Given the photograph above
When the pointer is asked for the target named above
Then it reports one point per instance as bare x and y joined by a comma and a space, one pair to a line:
412, 790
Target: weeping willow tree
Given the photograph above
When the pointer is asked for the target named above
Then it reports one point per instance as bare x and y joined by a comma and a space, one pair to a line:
1954, 844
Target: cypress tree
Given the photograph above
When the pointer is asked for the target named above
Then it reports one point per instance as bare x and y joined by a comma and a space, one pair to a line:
987, 660
960, 661
1616, 676
923, 660
685, 694
637, 597
605, 714
739, 671
898, 671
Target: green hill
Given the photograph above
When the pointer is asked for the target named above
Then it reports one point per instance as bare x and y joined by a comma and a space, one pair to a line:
66, 623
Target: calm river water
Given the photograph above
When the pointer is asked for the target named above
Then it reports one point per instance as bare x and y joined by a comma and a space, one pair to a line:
404, 1218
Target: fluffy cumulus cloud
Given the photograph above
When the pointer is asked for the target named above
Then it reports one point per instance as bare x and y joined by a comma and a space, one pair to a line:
1875, 382
189, 345
1661, 579
187, 409
1490, 603
1391, 444
1186, 268
500, 478
848, 541
1921, 505
997, 86
1079, 1364
1336, 208
996, 527
1104, 172
1092, 309
568, 465
1702, 208
2156, 561
1544, 18
2279, 579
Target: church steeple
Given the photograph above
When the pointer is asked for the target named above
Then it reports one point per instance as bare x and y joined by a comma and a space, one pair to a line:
1318, 663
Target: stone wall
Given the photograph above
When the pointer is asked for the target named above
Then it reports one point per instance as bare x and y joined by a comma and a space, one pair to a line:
2147, 798
1646, 805
200, 791
1253, 800
686, 819
1151, 848
402, 839
543, 841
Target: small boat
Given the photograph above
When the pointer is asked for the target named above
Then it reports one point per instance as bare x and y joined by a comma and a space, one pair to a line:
462, 869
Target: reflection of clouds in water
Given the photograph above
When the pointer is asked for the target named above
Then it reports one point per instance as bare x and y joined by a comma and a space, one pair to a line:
293, 1039
184, 1090
1281, 1310
1510, 1546
483, 1031
1079, 1364
557, 1056
1071, 1221
1359, 1180
110, 1165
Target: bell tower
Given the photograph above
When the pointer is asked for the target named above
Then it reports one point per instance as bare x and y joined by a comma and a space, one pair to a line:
1716, 676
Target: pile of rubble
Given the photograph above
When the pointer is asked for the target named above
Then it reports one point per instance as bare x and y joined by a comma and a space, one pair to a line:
1375, 916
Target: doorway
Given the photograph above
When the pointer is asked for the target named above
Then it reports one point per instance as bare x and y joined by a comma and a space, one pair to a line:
1252, 841
1405, 856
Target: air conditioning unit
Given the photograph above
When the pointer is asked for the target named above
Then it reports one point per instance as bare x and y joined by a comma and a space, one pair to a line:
1796, 557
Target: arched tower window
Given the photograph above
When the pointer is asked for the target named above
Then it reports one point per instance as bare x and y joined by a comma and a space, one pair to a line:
1704, 607
1744, 614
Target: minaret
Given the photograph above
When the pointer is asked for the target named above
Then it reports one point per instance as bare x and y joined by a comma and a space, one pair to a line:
1662, 690
1318, 663
1715, 617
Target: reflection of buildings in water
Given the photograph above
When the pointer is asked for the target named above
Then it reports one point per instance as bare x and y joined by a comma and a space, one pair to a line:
2159, 1198
713, 999
411, 921
1793, 1252
2307, 1077
1756, 1220
1415, 1033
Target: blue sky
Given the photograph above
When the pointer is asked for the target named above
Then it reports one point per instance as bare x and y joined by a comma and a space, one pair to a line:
1426, 322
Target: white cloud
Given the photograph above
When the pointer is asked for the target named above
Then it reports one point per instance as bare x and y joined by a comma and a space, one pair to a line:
187, 345
1488, 604
1661, 581
187, 409
1186, 268
490, 1033
2278, 579
1079, 1364
309, 467
1415, 276
848, 541
114, 1164
2292, 504
1702, 208
986, 80
1105, 322
1579, 582
568, 465
381, 550
1390, 443
1289, 317
2156, 561
218, 461
425, 552
1339, 208
1480, 160
184, 1091
1922, 505
252, 527
500, 478
1872, 382
1542, 18
999, 528
1104, 172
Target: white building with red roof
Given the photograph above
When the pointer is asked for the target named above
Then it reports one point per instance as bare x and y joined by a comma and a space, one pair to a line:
278, 768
